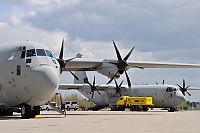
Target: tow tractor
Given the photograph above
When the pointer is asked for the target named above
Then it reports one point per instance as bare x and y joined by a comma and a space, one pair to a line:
134, 103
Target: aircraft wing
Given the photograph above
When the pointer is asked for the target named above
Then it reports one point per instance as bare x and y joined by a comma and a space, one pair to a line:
148, 64
81, 64
110, 89
193, 88
85, 86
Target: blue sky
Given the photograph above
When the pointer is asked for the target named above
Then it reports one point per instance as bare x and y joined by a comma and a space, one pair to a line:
166, 31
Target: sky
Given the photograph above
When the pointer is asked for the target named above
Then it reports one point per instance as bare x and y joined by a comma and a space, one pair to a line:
162, 31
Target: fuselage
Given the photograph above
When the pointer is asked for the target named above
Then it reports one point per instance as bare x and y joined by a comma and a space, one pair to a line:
164, 96
28, 74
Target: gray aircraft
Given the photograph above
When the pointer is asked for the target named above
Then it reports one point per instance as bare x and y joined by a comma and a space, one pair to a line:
30, 74
163, 95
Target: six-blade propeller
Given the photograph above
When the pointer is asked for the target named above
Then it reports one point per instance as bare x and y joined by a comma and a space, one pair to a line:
118, 88
92, 86
121, 65
183, 88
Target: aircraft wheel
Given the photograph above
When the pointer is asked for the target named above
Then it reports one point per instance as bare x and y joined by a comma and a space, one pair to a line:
26, 111
6, 112
171, 110
36, 110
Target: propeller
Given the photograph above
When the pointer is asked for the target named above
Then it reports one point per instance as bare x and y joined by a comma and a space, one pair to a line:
121, 65
118, 88
93, 87
62, 62
184, 89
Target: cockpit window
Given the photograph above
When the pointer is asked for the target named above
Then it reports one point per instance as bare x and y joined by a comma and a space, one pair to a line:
49, 53
170, 89
40, 52
30, 53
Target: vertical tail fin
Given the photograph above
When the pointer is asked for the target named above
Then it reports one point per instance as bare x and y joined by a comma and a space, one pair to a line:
80, 74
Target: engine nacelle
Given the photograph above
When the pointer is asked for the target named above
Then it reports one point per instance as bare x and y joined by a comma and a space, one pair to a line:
108, 69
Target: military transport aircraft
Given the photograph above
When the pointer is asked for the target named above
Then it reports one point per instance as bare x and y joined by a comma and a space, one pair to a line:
30, 74
163, 95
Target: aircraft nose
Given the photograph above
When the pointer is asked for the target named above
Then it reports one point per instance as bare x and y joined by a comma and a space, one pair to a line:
181, 100
43, 82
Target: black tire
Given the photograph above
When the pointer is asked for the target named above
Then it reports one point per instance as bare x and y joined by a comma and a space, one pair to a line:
6, 112
26, 111
137, 108
47, 109
36, 110
132, 108
171, 110
145, 108
75, 109
68, 108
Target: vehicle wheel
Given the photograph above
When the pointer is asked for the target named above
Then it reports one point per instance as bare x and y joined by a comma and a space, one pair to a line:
121, 109
145, 108
47, 109
132, 108
75, 109
26, 111
137, 108
68, 108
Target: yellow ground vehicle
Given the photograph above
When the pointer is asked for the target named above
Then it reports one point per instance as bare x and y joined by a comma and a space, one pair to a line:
134, 103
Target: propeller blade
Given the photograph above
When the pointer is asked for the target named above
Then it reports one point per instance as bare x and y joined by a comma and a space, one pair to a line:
111, 79
74, 75
92, 94
183, 83
117, 52
188, 93
127, 56
116, 84
61, 50
99, 92
179, 86
121, 83
94, 81
128, 80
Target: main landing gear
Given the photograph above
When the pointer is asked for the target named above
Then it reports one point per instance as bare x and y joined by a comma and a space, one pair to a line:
172, 110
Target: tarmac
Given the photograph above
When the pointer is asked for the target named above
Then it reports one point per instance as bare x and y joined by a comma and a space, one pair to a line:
104, 122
